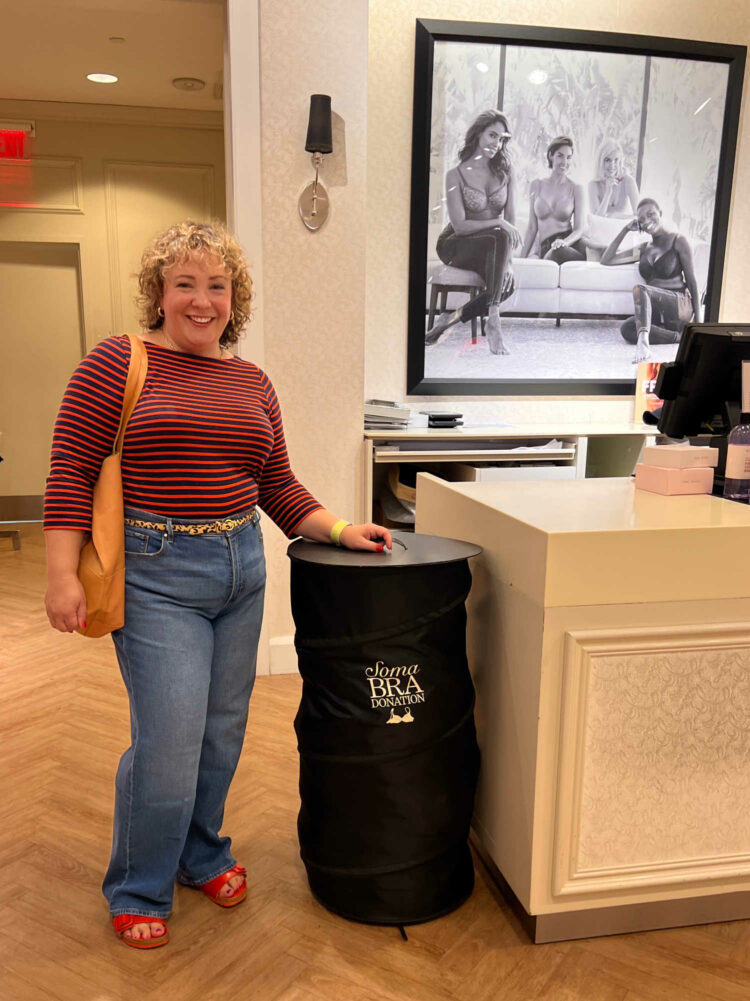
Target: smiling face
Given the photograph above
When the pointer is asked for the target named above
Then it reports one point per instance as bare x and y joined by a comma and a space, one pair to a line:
561, 159
610, 160
491, 139
649, 217
612, 165
197, 304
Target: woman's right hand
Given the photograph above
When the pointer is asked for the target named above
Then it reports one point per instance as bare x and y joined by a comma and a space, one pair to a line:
514, 234
65, 602
611, 254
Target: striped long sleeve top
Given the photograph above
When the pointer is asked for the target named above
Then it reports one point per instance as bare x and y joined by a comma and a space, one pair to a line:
205, 440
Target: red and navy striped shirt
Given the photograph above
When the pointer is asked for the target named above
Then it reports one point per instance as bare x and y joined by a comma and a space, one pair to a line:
204, 441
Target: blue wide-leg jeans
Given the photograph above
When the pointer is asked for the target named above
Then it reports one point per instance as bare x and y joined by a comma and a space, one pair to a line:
187, 653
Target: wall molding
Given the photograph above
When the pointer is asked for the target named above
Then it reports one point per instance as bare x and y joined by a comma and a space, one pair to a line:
70, 164
107, 114
583, 651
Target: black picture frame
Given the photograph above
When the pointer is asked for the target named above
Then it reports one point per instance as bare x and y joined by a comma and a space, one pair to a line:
433, 33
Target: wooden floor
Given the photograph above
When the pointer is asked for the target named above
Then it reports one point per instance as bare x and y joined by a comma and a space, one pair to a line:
63, 725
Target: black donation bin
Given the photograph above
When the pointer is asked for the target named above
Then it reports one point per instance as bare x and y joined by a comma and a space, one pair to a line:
388, 750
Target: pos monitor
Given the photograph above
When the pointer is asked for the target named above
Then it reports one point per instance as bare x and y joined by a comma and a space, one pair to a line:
701, 388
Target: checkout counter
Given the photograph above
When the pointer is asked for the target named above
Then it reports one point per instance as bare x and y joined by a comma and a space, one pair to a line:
609, 642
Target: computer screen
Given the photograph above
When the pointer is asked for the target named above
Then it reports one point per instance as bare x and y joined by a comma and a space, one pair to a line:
701, 387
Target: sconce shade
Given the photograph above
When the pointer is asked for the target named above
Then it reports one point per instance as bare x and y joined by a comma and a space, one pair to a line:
319, 127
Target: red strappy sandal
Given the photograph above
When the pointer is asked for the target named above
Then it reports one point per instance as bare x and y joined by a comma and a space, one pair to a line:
122, 922
212, 887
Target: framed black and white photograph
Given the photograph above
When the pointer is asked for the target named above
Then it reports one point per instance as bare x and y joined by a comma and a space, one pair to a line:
569, 205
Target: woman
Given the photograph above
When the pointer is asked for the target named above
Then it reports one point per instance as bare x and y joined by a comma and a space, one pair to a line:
481, 234
556, 209
667, 298
204, 445
613, 192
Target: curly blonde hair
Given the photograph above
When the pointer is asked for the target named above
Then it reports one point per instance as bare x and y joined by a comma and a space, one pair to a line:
174, 246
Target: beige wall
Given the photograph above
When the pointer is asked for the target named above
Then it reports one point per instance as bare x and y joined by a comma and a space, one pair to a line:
313, 283
389, 110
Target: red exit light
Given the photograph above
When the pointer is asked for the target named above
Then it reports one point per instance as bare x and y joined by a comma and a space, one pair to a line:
12, 144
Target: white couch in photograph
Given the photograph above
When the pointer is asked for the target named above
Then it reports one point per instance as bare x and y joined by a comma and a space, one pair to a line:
574, 289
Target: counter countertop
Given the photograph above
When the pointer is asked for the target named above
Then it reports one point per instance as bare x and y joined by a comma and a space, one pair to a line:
598, 541
603, 505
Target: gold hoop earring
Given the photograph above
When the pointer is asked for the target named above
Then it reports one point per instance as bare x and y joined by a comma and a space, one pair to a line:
160, 311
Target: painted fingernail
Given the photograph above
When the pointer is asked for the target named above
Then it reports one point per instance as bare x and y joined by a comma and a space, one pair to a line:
379, 549
83, 626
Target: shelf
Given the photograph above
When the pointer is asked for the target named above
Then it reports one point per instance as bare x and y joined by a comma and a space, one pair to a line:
475, 455
585, 450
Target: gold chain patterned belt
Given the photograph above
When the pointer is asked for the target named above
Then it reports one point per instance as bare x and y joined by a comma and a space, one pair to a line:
222, 525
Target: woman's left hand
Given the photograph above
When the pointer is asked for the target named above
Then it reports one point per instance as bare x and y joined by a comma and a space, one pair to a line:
557, 244
373, 537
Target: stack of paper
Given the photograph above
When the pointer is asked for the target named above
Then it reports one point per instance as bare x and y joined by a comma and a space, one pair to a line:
385, 415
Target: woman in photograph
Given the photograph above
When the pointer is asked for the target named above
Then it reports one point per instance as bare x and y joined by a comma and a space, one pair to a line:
667, 298
613, 192
481, 234
556, 210
204, 446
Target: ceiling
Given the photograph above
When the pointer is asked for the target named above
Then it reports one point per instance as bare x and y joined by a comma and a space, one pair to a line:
50, 45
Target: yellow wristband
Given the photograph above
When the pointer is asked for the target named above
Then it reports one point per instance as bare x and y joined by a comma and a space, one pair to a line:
336, 531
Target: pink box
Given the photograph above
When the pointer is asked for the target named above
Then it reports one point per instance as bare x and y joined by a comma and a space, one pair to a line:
680, 456
669, 480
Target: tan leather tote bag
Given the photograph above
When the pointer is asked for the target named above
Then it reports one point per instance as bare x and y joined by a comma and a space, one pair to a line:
101, 569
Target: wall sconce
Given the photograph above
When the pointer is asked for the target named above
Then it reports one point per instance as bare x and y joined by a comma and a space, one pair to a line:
313, 202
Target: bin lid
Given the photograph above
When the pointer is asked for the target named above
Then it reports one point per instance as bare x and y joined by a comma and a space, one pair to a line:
410, 549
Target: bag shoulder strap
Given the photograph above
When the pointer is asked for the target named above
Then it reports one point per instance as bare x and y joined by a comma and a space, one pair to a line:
136, 378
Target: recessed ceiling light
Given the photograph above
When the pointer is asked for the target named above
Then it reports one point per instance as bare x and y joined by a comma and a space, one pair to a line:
101, 78
483, 67
537, 77
188, 83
